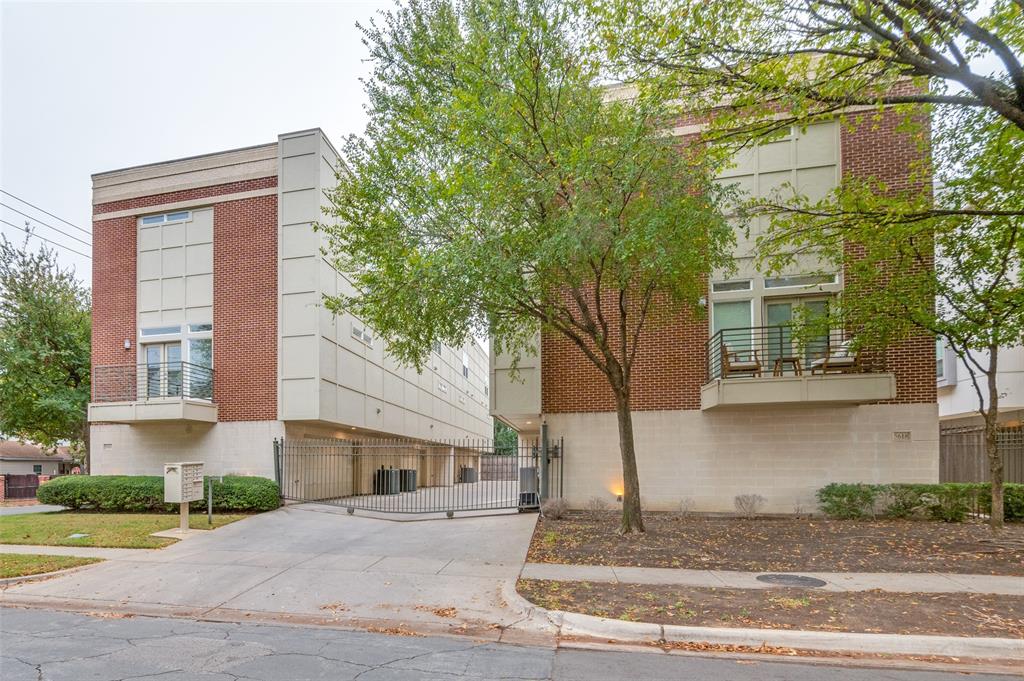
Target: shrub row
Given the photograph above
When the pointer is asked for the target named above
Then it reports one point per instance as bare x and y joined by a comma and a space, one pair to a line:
137, 493
950, 502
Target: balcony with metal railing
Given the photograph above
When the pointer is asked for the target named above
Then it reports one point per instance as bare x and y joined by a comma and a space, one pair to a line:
777, 365
165, 391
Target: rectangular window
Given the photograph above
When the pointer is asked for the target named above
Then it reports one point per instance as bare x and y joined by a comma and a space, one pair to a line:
940, 357
199, 328
732, 319
37, 468
465, 365
153, 219
724, 286
799, 280
161, 330
177, 217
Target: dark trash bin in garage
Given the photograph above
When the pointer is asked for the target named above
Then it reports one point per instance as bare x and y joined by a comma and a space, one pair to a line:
407, 479
467, 474
386, 481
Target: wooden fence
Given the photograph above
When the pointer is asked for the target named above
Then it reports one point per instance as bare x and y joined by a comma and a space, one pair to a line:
962, 456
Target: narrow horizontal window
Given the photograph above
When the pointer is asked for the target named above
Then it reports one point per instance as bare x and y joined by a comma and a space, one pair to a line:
177, 217
799, 280
153, 219
161, 330
723, 286
199, 328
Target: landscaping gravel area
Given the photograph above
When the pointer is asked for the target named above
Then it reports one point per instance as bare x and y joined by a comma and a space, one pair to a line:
781, 544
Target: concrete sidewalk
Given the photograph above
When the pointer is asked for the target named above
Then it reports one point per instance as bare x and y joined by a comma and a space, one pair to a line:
83, 551
902, 582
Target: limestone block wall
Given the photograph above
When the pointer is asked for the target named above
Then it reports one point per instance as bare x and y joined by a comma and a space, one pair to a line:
785, 454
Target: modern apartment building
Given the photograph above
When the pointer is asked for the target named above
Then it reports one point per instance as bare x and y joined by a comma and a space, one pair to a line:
728, 402
210, 338
958, 401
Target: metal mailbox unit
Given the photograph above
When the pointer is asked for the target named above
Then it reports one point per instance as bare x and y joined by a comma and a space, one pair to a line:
183, 483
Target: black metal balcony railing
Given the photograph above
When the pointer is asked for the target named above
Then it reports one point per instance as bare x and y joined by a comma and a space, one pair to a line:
767, 351
138, 382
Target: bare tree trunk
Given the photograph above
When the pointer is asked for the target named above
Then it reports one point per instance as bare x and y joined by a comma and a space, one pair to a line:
632, 515
995, 457
87, 456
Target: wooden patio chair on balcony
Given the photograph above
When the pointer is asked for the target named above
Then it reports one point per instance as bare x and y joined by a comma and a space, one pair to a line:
838, 360
733, 364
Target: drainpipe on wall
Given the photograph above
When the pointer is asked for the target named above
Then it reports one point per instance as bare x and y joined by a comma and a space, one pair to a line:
544, 481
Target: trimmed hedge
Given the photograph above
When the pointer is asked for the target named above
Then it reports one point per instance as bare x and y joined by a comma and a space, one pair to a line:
140, 493
950, 502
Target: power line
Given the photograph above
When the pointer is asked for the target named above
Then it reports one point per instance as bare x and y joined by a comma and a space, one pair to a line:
33, 219
69, 224
31, 233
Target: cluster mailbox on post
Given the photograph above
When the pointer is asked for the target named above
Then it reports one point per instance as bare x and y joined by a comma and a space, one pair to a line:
183, 483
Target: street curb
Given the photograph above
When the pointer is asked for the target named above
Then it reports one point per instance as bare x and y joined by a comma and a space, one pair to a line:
587, 626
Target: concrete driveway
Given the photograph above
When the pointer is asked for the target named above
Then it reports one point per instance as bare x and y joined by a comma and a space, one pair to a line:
315, 564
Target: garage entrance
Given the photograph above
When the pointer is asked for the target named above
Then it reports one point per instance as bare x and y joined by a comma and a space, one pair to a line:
406, 476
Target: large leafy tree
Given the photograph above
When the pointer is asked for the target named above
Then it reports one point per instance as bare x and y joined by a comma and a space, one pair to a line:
45, 327
499, 189
952, 72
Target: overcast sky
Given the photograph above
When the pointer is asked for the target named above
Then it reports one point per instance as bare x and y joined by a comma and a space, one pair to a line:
88, 87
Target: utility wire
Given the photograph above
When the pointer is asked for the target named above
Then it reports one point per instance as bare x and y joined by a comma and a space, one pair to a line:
31, 233
70, 236
69, 224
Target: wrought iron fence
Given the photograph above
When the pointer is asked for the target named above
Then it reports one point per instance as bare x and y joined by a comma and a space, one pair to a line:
135, 382
407, 476
768, 350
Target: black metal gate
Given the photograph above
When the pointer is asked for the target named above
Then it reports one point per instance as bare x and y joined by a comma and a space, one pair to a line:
406, 476
21, 486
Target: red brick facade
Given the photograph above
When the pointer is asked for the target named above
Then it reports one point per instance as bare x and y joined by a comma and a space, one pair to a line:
245, 309
244, 293
670, 364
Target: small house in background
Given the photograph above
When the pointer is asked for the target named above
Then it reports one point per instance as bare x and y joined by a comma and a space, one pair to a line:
22, 458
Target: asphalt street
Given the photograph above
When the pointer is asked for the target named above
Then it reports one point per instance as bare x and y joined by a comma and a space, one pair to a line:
47, 645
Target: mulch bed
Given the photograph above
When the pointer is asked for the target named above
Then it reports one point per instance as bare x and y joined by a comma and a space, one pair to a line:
781, 544
786, 608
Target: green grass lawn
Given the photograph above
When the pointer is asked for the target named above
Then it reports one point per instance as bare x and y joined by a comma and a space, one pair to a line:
119, 530
21, 564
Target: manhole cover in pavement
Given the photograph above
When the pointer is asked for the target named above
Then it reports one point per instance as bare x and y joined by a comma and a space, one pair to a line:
791, 580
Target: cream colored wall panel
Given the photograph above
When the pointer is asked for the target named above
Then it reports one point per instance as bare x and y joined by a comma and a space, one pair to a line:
200, 229
299, 357
298, 172
299, 206
374, 418
299, 397
298, 240
199, 290
199, 315
818, 145
172, 262
298, 275
149, 238
149, 265
776, 183
147, 319
744, 162
374, 380
351, 407
172, 293
815, 183
328, 401
351, 370
775, 156
296, 144
328, 360
394, 389
172, 316
173, 235
298, 314
199, 259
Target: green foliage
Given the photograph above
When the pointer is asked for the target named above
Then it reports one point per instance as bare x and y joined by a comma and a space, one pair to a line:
501, 189
847, 501
506, 440
139, 493
45, 332
949, 502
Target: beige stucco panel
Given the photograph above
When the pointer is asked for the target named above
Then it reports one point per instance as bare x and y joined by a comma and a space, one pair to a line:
784, 453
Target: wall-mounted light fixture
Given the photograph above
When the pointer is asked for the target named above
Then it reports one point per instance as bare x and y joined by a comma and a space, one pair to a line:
618, 498
702, 301
127, 344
